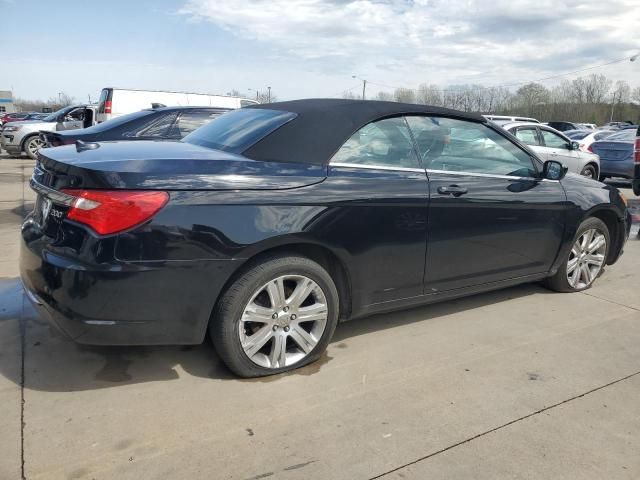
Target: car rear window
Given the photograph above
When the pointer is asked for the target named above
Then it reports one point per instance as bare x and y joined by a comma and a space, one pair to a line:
238, 130
578, 134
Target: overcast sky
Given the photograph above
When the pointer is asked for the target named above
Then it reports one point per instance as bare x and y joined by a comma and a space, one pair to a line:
306, 48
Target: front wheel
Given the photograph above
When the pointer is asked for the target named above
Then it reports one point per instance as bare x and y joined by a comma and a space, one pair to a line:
278, 315
589, 171
585, 261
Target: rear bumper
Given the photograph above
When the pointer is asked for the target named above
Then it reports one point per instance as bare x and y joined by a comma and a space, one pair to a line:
123, 304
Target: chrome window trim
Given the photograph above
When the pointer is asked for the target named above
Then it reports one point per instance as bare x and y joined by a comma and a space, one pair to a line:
483, 175
376, 167
54, 195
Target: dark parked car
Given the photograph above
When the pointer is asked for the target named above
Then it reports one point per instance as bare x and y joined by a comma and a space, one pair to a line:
619, 156
163, 123
564, 126
269, 225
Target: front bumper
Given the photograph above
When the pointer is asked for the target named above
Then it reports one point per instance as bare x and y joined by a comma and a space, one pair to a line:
9, 142
119, 303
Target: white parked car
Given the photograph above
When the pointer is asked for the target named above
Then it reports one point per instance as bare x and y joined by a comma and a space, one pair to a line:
503, 119
586, 137
550, 144
120, 101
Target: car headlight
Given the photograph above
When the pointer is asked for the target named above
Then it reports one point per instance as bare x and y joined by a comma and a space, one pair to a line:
11, 129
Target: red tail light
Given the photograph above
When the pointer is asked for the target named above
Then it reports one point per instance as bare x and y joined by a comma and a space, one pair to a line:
636, 152
107, 106
590, 148
113, 211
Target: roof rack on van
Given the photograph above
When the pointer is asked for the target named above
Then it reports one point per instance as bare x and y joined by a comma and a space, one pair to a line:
155, 105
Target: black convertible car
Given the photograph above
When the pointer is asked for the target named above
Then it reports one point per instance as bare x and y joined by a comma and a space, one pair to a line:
269, 225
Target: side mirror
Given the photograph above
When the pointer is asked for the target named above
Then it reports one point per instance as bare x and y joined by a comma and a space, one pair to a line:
574, 146
553, 170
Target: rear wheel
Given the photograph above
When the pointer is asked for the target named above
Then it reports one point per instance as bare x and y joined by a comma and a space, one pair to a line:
277, 316
32, 145
589, 171
586, 260
636, 188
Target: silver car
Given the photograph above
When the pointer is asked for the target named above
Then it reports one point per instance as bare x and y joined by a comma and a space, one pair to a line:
550, 144
18, 137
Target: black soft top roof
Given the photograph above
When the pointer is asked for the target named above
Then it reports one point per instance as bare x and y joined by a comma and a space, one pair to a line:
323, 125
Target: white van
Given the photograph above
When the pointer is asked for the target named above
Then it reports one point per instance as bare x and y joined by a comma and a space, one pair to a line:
120, 101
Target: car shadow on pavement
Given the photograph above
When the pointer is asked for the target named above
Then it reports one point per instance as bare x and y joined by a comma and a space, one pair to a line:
54, 363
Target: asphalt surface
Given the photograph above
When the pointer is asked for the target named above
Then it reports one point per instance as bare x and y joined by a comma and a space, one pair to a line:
519, 383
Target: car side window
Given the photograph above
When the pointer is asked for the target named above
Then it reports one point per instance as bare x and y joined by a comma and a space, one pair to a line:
448, 144
76, 114
385, 143
190, 121
528, 136
553, 140
157, 127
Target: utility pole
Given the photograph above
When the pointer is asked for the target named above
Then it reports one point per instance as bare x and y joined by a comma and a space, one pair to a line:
613, 105
60, 98
364, 86
268, 94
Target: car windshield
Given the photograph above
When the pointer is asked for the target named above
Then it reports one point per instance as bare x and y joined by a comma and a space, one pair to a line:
628, 135
238, 130
54, 116
577, 134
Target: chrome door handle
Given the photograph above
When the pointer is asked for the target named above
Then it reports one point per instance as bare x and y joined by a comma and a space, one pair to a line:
454, 190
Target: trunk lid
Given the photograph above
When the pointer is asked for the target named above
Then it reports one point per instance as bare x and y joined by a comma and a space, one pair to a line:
148, 165
613, 151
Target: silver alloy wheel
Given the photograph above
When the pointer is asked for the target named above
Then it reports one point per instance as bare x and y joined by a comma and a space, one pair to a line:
33, 145
588, 172
283, 321
586, 258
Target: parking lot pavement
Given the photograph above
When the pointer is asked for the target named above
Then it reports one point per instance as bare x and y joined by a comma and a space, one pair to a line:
519, 383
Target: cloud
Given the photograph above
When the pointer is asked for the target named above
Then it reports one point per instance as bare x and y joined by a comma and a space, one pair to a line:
446, 40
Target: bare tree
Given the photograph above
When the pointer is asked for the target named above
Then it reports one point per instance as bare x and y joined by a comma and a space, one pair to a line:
621, 92
635, 95
405, 95
429, 95
532, 95
385, 96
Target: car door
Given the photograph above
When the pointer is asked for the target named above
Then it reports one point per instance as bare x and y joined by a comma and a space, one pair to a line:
379, 195
72, 120
559, 148
530, 136
491, 218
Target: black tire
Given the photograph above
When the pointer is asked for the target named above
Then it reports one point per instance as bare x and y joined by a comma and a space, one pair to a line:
589, 171
636, 188
27, 143
559, 282
224, 324
602, 178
